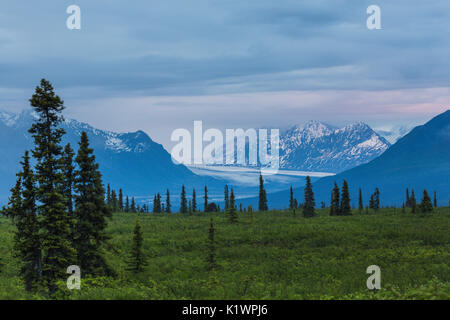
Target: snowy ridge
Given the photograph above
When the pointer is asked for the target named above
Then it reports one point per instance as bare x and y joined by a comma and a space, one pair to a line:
137, 142
317, 146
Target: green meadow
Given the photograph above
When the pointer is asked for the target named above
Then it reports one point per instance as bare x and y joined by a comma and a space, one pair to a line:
266, 255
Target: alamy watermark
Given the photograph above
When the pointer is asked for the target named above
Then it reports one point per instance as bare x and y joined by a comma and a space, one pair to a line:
74, 281
374, 281
73, 22
374, 20
249, 147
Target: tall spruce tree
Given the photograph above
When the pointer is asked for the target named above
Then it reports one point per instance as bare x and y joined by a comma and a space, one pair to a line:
262, 206
158, 199
308, 207
413, 202
114, 201
231, 211
137, 260
426, 206
68, 171
345, 200
360, 202
91, 212
120, 200
133, 208
205, 200
127, 204
335, 203
26, 239
291, 199
156, 204
408, 201
372, 202
226, 198
168, 205
55, 231
194, 201
183, 203
108, 194
377, 199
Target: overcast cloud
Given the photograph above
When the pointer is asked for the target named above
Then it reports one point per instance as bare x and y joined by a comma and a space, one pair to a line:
156, 65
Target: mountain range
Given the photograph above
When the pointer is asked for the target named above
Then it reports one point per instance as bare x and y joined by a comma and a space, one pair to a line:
319, 147
419, 160
316, 146
141, 167
131, 161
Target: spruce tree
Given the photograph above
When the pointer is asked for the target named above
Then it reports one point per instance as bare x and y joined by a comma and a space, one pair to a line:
120, 200
291, 199
26, 238
194, 201
231, 211
211, 260
137, 260
158, 200
68, 171
108, 194
226, 198
127, 204
168, 205
408, 201
377, 199
262, 195
360, 202
155, 205
345, 200
205, 200
413, 202
14, 207
372, 202
55, 233
426, 206
308, 208
91, 212
335, 203
114, 202
183, 204
133, 205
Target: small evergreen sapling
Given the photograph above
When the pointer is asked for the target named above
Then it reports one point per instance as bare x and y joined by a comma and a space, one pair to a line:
426, 206
137, 260
211, 260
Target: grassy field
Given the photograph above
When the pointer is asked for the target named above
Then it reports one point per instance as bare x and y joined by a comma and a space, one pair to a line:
273, 255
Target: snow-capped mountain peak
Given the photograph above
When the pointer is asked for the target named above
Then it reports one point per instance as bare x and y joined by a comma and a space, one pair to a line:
316, 146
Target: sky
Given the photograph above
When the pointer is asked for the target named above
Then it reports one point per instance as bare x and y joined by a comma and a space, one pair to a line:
160, 65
